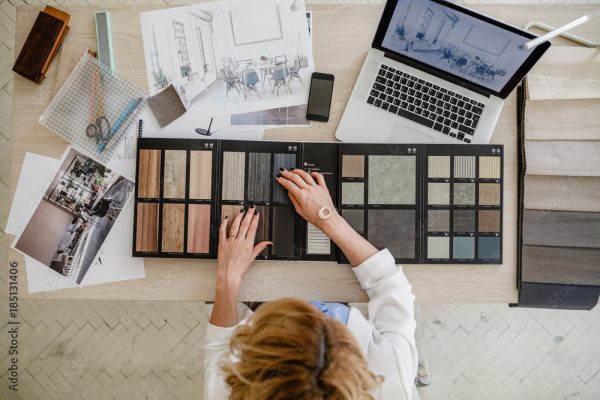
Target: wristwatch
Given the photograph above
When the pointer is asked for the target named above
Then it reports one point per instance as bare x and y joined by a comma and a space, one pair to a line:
325, 213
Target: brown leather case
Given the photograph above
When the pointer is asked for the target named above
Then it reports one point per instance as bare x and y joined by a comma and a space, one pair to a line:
42, 44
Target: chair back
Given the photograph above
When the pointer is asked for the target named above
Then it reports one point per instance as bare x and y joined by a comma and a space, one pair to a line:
280, 59
249, 77
280, 72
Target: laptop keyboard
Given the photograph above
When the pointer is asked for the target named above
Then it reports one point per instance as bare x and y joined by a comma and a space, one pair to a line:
425, 103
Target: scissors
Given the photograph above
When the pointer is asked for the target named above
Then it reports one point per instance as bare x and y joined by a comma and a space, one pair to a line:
99, 130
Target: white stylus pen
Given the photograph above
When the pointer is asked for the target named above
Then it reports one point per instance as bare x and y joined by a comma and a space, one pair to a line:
537, 41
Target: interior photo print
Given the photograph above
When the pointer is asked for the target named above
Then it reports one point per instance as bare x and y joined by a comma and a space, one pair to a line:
455, 42
230, 57
75, 215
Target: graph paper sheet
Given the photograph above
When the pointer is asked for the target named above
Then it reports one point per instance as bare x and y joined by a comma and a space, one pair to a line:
93, 91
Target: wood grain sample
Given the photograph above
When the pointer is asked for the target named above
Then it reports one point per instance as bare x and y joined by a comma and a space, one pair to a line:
234, 165
174, 176
198, 240
146, 237
259, 176
283, 231
149, 174
173, 226
201, 175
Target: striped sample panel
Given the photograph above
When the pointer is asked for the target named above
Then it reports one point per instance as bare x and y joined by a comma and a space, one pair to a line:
259, 177
489, 167
287, 161
174, 174
234, 164
438, 166
464, 167
316, 241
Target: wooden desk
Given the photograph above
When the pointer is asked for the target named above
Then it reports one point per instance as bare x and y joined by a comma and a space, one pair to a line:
342, 36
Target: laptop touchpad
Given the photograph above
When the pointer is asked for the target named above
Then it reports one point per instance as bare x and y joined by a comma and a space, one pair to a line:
403, 134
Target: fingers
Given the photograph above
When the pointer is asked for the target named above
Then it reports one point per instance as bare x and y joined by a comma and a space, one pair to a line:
223, 230
251, 235
304, 175
288, 184
320, 179
301, 183
260, 247
235, 225
246, 222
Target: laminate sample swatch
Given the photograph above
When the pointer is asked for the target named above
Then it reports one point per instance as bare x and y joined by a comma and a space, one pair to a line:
438, 220
287, 161
394, 230
464, 167
489, 221
489, 194
438, 247
259, 176
563, 265
198, 240
438, 166
149, 174
488, 248
392, 179
166, 106
283, 231
174, 175
173, 228
264, 223
438, 193
463, 221
356, 219
464, 193
146, 236
561, 228
353, 193
489, 167
463, 247
562, 193
353, 166
234, 165
201, 175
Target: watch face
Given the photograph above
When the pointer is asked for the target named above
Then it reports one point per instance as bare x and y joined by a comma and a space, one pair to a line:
324, 212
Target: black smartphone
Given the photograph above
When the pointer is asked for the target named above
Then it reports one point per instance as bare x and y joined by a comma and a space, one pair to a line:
319, 98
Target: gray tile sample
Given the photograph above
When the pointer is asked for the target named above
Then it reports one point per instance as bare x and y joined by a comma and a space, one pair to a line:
392, 179
394, 230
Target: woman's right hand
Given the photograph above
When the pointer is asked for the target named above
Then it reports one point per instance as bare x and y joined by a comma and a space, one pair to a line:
307, 192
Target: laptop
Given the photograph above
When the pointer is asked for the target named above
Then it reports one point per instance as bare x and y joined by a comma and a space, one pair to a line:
436, 73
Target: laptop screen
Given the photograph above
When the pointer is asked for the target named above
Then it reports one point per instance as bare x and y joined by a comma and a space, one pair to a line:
457, 43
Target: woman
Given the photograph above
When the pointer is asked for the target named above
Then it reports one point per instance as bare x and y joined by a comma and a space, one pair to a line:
291, 349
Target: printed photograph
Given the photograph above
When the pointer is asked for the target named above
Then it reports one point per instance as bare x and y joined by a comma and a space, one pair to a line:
75, 216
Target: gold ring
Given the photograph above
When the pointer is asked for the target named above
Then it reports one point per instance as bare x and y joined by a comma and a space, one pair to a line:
233, 234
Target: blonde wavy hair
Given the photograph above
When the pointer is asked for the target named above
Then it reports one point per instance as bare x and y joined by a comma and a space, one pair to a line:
290, 350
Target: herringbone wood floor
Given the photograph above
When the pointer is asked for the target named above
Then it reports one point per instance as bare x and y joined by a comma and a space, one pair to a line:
152, 350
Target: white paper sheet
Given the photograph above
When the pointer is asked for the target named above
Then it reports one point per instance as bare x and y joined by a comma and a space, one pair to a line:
113, 263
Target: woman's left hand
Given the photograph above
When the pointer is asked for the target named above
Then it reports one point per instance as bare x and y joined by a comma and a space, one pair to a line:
237, 250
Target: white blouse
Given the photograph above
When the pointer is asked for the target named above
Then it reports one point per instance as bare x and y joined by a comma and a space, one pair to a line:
386, 335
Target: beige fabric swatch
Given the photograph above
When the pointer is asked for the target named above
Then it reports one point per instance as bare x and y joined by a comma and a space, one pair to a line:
563, 158
566, 193
563, 120
566, 73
